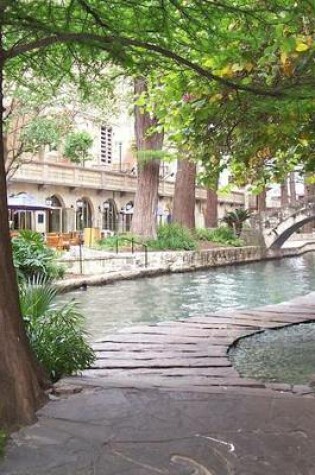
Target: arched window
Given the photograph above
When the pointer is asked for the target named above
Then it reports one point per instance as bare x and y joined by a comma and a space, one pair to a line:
126, 216
83, 214
55, 214
109, 215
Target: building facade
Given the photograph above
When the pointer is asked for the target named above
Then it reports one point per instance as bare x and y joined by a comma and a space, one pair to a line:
98, 193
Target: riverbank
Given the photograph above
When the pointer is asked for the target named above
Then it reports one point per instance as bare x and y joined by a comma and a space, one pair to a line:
165, 399
130, 266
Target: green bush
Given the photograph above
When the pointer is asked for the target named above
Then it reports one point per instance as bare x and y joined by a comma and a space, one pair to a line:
56, 334
33, 258
172, 237
223, 235
110, 242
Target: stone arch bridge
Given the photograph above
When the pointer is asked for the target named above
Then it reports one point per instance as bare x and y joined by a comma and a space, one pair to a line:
277, 226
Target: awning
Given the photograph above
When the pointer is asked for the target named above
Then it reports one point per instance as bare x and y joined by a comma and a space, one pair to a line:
26, 202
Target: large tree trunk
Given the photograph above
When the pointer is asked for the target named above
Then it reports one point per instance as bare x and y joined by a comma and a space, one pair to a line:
20, 393
184, 196
211, 216
261, 202
146, 199
292, 188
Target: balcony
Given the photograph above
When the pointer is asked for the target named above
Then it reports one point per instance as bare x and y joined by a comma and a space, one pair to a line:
50, 173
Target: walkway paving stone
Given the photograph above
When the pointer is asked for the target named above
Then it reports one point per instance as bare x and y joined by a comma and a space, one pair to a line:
165, 399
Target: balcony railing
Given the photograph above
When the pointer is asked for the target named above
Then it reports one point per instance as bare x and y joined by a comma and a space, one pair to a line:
46, 173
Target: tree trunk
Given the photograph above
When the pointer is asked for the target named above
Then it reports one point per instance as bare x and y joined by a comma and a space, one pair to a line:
284, 193
261, 202
184, 196
309, 197
211, 216
292, 188
20, 393
146, 200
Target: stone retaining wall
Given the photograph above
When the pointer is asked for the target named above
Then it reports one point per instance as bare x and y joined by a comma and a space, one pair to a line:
110, 267
93, 263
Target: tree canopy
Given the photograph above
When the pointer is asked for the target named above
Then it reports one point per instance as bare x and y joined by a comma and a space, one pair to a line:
241, 47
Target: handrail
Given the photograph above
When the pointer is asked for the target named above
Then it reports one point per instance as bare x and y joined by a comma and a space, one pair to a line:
133, 242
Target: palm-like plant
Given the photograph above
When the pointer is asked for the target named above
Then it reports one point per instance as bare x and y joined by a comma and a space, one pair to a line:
56, 334
235, 219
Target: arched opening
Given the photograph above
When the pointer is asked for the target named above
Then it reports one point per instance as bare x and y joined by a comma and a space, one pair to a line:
55, 215
84, 216
280, 239
126, 213
109, 216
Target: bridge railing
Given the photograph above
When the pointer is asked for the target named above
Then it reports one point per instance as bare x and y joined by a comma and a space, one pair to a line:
271, 218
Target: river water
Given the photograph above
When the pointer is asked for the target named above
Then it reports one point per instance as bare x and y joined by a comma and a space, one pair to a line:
173, 296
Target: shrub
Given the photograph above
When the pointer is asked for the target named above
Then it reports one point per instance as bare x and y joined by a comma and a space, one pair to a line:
56, 334
33, 258
235, 219
172, 237
223, 235
111, 242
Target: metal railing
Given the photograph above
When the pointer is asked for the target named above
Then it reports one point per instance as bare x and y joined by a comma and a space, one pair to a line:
133, 242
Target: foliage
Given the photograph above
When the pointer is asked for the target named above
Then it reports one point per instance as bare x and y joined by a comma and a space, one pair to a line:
224, 68
32, 258
122, 240
77, 146
175, 237
172, 237
223, 235
40, 131
235, 219
56, 334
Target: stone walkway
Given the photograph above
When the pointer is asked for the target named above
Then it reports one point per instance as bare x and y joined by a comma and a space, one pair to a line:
164, 399
191, 354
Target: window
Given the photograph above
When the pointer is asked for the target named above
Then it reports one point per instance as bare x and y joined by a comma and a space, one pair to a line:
106, 144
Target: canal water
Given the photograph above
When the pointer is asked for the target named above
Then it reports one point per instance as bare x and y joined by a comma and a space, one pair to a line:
170, 297
286, 355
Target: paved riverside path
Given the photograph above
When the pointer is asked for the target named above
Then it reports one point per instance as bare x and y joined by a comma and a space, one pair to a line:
164, 399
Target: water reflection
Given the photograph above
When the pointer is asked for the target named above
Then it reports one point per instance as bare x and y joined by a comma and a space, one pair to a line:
285, 355
175, 296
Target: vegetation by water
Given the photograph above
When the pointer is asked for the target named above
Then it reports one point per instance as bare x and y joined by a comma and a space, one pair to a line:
56, 334
222, 235
174, 237
32, 258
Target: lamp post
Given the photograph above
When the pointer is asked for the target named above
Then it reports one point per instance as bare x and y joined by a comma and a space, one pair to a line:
48, 202
79, 205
